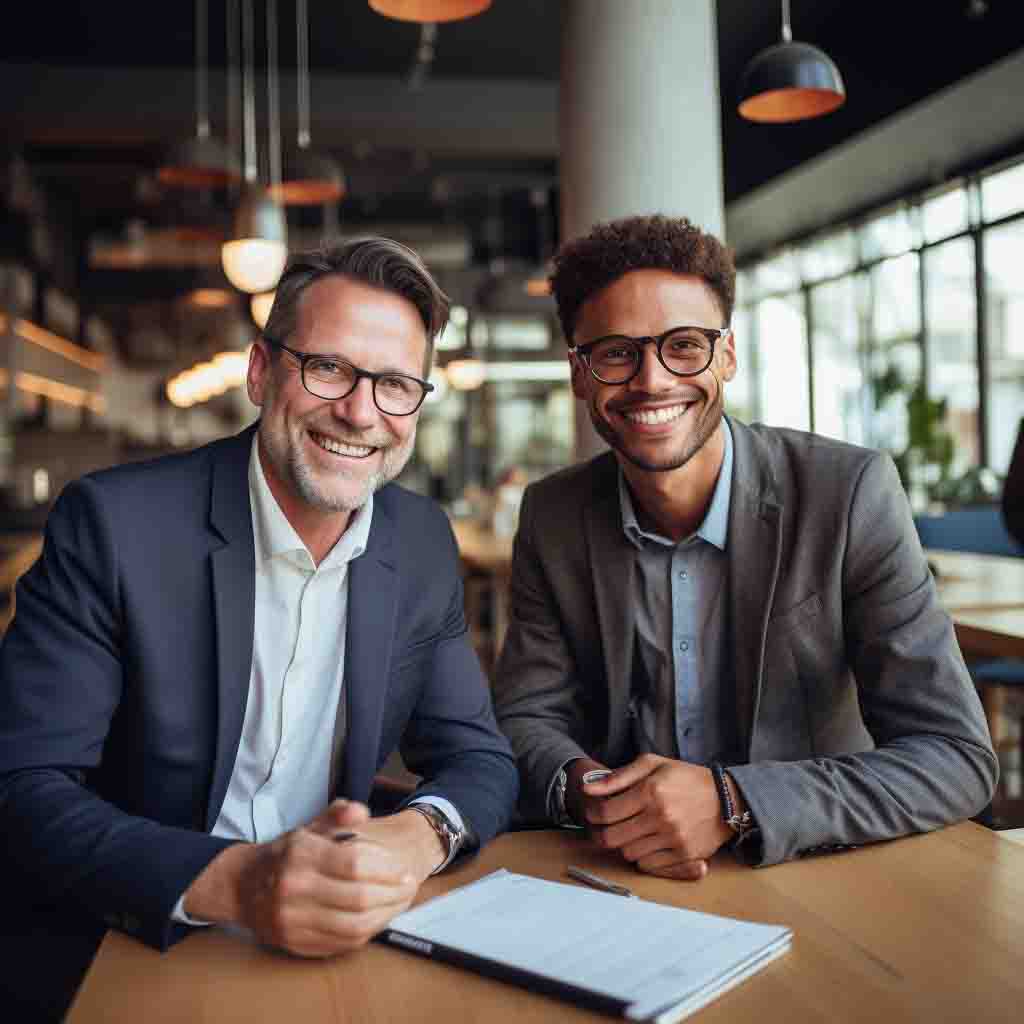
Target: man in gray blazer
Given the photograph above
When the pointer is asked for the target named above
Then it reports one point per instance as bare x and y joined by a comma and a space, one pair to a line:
738, 620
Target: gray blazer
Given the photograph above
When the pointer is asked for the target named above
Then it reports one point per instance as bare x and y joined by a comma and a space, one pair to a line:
857, 717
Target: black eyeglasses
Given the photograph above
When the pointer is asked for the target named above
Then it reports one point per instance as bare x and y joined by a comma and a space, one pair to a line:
683, 351
331, 378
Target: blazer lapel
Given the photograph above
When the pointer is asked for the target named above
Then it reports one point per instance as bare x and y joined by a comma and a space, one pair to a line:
369, 638
614, 568
755, 547
233, 568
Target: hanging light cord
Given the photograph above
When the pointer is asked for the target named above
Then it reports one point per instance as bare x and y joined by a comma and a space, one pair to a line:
787, 30
233, 84
302, 65
249, 97
202, 93
273, 98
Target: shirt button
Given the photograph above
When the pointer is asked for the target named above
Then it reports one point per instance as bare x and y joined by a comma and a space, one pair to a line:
684, 645
684, 575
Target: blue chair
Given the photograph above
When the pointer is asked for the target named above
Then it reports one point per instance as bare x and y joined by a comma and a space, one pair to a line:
980, 529
977, 528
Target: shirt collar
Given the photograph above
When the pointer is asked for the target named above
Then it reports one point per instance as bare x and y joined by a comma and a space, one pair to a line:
274, 536
715, 527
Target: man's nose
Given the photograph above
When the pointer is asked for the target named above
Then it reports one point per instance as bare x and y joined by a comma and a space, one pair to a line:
358, 406
652, 375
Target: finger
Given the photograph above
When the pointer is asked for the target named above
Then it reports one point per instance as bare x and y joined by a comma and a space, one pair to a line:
621, 834
625, 777
340, 815
613, 809
668, 864
328, 933
358, 897
362, 860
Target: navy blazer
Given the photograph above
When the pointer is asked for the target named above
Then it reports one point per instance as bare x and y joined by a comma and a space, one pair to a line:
125, 673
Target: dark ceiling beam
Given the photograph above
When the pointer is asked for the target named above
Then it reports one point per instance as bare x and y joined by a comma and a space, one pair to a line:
119, 106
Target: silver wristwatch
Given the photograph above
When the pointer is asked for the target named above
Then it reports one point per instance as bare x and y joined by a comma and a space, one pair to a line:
559, 811
450, 834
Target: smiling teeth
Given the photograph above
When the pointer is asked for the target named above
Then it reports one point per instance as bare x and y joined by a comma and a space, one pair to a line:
652, 416
357, 450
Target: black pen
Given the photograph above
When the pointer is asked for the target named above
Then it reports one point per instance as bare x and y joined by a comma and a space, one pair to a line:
597, 882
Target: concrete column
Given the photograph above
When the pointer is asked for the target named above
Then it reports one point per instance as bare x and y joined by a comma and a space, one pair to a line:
639, 120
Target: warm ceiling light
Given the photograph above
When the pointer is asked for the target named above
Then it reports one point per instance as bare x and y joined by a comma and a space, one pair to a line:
256, 255
210, 298
260, 306
429, 10
202, 161
790, 81
308, 178
465, 374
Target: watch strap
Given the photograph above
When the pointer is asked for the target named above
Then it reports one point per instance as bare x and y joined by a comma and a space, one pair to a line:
450, 835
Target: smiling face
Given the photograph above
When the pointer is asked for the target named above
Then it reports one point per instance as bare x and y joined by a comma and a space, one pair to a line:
322, 459
657, 421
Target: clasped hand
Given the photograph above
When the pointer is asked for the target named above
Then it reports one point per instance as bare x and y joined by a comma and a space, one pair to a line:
663, 815
308, 894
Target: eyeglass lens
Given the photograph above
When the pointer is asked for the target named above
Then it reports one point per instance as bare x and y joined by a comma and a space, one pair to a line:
332, 379
686, 352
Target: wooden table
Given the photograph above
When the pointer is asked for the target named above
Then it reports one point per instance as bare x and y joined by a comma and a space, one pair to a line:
984, 595
925, 928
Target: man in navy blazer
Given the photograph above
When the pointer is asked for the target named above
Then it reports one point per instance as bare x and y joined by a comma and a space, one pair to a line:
214, 645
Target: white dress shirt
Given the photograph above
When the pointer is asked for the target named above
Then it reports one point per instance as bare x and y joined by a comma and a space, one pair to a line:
282, 773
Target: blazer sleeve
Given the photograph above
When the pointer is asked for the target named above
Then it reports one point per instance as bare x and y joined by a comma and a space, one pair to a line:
933, 762
539, 699
452, 739
62, 680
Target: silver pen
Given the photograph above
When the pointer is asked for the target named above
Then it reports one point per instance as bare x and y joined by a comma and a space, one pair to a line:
597, 882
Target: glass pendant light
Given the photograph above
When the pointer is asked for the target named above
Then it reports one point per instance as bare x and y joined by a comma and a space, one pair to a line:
255, 256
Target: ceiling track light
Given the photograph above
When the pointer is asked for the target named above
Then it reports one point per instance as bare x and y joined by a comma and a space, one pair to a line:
202, 161
429, 10
308, 178
790, 81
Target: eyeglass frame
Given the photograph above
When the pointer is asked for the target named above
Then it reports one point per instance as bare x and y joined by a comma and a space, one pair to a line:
712, 334
304, 357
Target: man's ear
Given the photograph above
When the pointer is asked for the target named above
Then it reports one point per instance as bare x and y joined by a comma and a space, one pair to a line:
725, 357
258, 372
578, 376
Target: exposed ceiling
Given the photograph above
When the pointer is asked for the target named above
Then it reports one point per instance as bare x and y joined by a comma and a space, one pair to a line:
91, 92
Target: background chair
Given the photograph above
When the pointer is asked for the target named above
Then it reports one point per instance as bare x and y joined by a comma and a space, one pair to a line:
980, 529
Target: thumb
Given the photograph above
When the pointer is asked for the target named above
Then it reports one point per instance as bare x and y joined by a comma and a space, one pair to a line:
340, 814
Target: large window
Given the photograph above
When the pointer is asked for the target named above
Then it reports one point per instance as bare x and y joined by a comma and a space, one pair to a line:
873, 333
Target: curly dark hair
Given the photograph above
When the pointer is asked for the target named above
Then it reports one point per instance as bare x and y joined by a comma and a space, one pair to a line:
587, 264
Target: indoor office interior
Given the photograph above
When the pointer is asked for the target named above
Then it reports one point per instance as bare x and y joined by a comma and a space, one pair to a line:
879, 247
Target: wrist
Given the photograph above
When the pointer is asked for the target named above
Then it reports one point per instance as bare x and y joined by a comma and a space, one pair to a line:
431, 851
215, 893
575, 770
735, 813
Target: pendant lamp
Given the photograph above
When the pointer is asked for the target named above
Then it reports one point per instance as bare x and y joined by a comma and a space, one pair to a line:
202, 161
429, 10
308, 178
255, 256
790, 81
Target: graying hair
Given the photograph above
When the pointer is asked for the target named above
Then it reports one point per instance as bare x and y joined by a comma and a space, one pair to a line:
380, 262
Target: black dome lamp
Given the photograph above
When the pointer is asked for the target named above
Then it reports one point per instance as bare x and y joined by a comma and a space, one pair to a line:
790, 81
